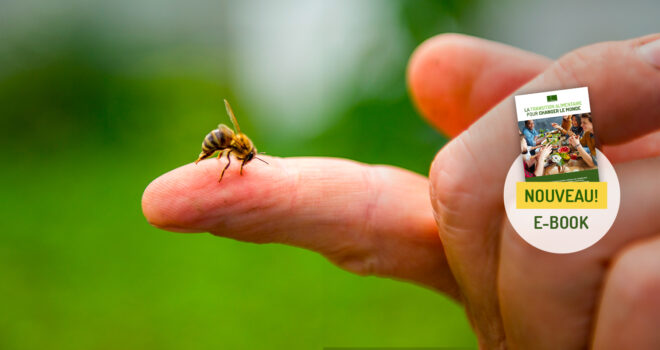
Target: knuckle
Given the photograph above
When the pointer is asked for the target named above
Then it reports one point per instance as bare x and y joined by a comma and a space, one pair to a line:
450, 192
359, 254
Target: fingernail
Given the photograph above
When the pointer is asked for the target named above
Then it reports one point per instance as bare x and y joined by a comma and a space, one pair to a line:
650, 52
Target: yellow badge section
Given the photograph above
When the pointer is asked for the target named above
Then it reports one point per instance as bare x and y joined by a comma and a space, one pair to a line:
561, 195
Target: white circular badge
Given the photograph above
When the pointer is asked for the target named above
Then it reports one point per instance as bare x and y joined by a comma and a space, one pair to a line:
562, 230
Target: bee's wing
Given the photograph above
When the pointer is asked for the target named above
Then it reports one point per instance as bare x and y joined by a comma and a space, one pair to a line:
232, 117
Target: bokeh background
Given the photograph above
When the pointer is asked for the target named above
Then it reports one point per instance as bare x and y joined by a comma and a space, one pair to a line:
97, 98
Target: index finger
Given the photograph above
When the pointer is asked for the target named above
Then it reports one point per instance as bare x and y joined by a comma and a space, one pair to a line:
367, 219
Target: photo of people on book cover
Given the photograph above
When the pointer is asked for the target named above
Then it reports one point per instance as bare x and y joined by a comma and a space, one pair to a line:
557, 138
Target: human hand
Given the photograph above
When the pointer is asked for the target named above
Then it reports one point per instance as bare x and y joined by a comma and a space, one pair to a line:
516, 295
544, 153
574, 141
555, 125
378, 219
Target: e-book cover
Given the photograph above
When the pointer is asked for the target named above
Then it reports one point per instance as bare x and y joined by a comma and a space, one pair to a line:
557, 138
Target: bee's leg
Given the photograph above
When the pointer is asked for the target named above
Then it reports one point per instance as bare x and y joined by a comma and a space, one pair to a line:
226, 166
244, 161
201, 156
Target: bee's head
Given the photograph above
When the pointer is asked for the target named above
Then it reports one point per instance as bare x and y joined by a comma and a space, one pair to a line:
250, 155
253, 154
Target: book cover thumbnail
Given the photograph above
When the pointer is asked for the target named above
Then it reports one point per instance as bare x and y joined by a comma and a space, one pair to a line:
557, 139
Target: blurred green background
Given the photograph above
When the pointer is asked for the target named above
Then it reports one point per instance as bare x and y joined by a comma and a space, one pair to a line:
99, 98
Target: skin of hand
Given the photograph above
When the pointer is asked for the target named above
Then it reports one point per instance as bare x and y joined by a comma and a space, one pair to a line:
523, 145
543, 155
585, 156
378, 220
575, 142
545, 152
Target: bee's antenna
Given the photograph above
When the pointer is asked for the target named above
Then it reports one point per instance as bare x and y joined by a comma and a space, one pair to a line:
261, 160
232, 117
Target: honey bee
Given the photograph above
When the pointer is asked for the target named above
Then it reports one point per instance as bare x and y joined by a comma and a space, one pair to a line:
226, 141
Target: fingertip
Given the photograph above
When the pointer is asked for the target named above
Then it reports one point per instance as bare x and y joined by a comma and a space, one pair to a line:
190, 198
149, 199
174, 201
434, 80
159, 203
454, 79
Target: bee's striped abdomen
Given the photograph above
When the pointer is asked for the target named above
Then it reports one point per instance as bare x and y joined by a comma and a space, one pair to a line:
217, 139
210, 143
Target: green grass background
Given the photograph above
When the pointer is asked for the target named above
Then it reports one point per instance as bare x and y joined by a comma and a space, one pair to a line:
80, 268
